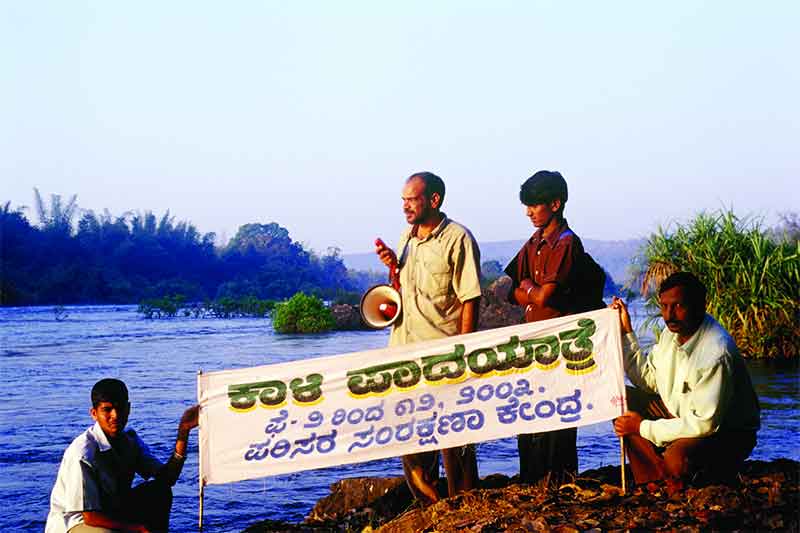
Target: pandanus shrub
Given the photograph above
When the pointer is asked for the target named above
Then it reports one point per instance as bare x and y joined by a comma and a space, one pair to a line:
753, 280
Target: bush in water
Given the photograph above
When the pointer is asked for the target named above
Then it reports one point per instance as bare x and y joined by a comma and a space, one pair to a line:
302, 314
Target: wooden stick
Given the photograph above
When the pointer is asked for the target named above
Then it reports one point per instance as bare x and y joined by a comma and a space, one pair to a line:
622, 463
200, 458
200, 513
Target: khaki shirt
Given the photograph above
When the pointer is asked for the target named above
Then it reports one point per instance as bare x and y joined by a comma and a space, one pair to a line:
437, 275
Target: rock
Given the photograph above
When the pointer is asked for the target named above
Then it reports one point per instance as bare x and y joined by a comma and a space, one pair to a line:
379, 495
766, 498
347, 317
410, 521
278, 526
496, 311
494, 481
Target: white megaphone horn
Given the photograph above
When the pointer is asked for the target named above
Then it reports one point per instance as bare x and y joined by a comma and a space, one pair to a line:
381, 305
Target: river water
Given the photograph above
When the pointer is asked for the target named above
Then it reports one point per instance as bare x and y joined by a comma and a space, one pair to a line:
48, 366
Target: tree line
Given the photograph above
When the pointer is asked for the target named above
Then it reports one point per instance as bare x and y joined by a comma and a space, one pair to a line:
76, 256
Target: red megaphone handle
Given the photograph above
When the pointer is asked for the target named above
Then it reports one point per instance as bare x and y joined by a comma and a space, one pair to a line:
394, 272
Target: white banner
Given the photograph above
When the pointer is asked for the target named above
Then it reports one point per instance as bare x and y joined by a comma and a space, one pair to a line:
327, 411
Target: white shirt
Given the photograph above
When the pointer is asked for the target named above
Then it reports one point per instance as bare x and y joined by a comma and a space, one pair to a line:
704, 383
93, 476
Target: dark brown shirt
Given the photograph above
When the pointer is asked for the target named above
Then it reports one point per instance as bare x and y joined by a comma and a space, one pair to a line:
547, 260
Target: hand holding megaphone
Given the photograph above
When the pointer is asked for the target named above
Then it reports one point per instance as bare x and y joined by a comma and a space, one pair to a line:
388, 258
381, 305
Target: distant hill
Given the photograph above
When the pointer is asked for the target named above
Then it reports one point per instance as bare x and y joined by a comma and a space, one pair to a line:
614, 256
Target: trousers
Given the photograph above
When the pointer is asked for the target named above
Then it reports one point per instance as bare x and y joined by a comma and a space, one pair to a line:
148, 503
552, 455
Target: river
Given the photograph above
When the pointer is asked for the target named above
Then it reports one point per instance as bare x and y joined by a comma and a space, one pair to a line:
48, 366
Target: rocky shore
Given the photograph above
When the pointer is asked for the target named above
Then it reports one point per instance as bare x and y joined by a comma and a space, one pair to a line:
495, 310
764, 498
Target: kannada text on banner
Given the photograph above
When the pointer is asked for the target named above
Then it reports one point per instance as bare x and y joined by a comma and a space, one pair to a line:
356, 407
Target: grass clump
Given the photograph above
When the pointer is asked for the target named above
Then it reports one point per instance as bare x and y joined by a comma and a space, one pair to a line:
302, 313
753, 281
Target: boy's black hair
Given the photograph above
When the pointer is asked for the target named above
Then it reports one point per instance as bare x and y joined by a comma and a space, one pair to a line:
543, 187
109, 390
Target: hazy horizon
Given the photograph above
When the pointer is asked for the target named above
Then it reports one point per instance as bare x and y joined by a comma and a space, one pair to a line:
311, 115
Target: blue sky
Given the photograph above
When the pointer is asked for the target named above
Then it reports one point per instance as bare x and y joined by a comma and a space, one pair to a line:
311, 114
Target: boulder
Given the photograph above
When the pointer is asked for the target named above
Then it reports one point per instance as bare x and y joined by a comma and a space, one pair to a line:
347, 317
369, 496
496, 311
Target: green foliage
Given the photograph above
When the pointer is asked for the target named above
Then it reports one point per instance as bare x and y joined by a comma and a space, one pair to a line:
252, 306
59, 215
138, 255
260, 238
789, 229
753, 281
302, 314
361, 280
490, 271
347, 297
226, 307
247, 306
164, 307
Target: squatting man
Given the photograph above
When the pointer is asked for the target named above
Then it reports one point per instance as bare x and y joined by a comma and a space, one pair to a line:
693, 413
93, 493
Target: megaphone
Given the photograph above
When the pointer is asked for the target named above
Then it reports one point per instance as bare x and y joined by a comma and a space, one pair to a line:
381, 306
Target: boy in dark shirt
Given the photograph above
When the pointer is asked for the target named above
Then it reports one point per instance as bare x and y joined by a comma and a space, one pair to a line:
543, 274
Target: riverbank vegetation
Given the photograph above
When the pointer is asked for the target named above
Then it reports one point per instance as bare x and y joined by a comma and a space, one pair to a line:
225, 307
752, 275
76, 256
302, 313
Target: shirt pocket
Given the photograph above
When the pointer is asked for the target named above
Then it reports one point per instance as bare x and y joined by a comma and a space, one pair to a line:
436, 279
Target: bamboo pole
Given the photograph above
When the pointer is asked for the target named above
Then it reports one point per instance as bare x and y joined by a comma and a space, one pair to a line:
200, 513
200, 459
622, 463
